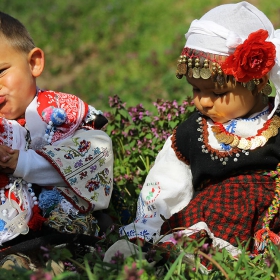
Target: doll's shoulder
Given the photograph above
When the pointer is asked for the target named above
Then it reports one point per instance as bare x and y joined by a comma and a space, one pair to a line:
188, 126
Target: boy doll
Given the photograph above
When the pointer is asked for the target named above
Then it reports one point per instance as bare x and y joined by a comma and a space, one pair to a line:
56, 163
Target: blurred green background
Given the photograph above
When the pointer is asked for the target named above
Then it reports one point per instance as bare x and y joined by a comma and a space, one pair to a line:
99, 48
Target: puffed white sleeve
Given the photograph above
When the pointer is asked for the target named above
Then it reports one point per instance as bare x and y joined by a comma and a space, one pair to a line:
167, 189
34, 169
85, 162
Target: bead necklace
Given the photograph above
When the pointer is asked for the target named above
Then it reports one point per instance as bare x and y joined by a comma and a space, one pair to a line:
221, 156
238, 145
54, 117
269, 130
15, 187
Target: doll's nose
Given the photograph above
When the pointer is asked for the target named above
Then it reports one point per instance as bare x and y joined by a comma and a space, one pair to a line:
205, 101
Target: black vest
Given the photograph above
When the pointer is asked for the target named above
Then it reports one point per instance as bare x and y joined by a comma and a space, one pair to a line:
187, 144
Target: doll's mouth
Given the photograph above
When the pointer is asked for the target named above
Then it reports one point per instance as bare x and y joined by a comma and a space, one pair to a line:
2, 99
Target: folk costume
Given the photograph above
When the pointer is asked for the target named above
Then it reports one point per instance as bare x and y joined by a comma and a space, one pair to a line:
64, 170
218, 179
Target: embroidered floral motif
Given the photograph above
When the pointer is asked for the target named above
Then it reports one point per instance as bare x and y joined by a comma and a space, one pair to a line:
100, 180
84, 163
92, 185
74, 111
84, 146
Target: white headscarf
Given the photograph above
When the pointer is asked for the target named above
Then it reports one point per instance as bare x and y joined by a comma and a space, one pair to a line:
225, 27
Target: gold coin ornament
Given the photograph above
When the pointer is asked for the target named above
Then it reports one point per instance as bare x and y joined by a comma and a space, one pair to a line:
235, 141
249, 143
190, 72
196, 72
205, 73
220, 80
182, 68
244, 144
250, 85
267, 90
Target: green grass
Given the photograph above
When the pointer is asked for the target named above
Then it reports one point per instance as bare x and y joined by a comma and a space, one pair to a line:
96, 49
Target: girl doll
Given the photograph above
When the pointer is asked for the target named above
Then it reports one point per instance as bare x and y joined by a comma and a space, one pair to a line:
218, 173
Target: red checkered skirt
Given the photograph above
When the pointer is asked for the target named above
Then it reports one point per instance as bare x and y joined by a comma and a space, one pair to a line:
232, 208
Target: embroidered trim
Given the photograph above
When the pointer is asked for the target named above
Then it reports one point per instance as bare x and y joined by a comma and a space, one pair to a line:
174, 147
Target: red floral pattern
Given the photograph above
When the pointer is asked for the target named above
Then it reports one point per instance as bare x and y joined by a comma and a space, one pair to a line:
251, 60
73, 106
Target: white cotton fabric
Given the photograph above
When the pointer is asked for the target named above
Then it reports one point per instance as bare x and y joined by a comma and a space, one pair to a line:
167, 189
225, 27
30, 164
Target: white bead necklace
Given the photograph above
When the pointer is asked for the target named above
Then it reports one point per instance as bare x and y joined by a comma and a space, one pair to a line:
15, 187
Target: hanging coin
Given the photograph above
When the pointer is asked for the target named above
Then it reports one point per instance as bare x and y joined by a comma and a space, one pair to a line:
235, 141
190, 71
221, 137
244, 144
178, 75
267, 134
262, 139
216, 128
250, 85
182, 68
205, 73
255, 143
229, 139
196, 70
220, 80
267, 89
274, 130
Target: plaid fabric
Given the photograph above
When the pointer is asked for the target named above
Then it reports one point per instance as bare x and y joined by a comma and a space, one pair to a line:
232, 208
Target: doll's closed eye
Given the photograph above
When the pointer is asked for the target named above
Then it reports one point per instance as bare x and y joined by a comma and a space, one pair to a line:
220, 94
3, 70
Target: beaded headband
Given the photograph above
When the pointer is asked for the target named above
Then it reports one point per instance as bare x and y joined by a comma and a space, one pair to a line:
249, 62
197, 64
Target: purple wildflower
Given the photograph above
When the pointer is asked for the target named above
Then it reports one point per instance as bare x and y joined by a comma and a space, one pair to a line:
132, 273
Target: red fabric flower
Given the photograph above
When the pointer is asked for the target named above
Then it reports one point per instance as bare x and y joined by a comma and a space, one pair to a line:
252, 59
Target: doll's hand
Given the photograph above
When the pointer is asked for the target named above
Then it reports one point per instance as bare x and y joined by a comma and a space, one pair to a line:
8, 159
5, 154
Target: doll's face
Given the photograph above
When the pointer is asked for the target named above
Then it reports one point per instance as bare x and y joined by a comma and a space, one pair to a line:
225, 103
18, 71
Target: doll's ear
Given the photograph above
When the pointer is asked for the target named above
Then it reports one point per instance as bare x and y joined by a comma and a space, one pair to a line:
36, 61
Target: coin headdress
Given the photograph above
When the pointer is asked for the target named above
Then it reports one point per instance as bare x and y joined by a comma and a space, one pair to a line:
235, 40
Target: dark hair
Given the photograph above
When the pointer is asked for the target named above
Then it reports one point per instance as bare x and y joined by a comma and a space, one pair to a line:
16, 33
